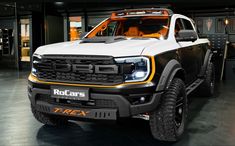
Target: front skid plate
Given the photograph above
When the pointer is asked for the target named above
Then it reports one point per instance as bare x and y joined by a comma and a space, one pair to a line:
102, 114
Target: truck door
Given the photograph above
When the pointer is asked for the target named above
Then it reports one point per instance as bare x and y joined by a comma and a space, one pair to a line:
187, 52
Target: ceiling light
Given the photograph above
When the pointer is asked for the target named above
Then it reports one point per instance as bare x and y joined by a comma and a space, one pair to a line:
59, 3
226, 21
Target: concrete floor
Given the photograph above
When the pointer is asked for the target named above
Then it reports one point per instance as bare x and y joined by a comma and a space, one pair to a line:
211, 122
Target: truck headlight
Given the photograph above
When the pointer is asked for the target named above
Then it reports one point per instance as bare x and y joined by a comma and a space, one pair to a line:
139, 68
36, 59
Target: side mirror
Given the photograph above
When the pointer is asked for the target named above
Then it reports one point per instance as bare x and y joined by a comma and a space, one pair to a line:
186, 35
83, 34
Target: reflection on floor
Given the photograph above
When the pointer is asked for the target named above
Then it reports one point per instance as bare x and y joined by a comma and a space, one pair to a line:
211, 121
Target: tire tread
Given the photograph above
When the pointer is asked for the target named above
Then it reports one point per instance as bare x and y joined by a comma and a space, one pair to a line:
161, 120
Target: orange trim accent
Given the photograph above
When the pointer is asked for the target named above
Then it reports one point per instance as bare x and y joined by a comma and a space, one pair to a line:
71, 112
153, 67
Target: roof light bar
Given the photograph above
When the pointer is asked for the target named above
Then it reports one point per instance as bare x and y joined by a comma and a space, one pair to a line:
139, 12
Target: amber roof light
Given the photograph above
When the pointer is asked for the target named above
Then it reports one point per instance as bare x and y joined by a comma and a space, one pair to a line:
139, 12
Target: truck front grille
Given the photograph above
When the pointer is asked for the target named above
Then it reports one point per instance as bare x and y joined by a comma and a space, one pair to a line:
79, 69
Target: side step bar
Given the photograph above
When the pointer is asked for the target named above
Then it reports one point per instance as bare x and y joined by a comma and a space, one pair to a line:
193, 86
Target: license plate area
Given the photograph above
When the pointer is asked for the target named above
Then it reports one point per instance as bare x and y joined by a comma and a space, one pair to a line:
71, 93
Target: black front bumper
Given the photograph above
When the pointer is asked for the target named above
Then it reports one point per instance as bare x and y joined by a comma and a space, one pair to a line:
123, 107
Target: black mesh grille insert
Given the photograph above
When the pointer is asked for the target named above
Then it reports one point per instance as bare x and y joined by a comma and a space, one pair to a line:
79, 69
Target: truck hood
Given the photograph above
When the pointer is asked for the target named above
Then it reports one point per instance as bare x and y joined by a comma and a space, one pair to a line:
129, 47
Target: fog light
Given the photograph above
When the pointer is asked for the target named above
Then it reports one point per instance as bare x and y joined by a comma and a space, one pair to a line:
142, 99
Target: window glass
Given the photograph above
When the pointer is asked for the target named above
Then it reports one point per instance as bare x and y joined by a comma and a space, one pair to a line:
187, 24
75, 27
148, 27
107, 30
178, 26
25, 40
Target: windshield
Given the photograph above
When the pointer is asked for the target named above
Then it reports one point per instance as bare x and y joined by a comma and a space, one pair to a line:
133, 27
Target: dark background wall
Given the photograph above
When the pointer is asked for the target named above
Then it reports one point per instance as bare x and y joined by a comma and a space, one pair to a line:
9, 60
48, 19
54, 29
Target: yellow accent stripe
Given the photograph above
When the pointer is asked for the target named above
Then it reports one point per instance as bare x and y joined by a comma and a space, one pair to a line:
36, 80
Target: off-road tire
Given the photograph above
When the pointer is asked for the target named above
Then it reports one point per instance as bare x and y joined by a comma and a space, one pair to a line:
47, 119
163, 120
207, 87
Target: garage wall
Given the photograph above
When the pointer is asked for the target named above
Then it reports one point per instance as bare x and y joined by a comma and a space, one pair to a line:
7, 23
54, 29
215, 25
8, 61
94, 20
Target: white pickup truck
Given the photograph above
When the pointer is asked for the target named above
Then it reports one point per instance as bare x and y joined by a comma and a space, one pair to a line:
137, 62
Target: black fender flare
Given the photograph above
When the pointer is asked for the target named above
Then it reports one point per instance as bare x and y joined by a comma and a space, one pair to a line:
170, 71
207, 60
